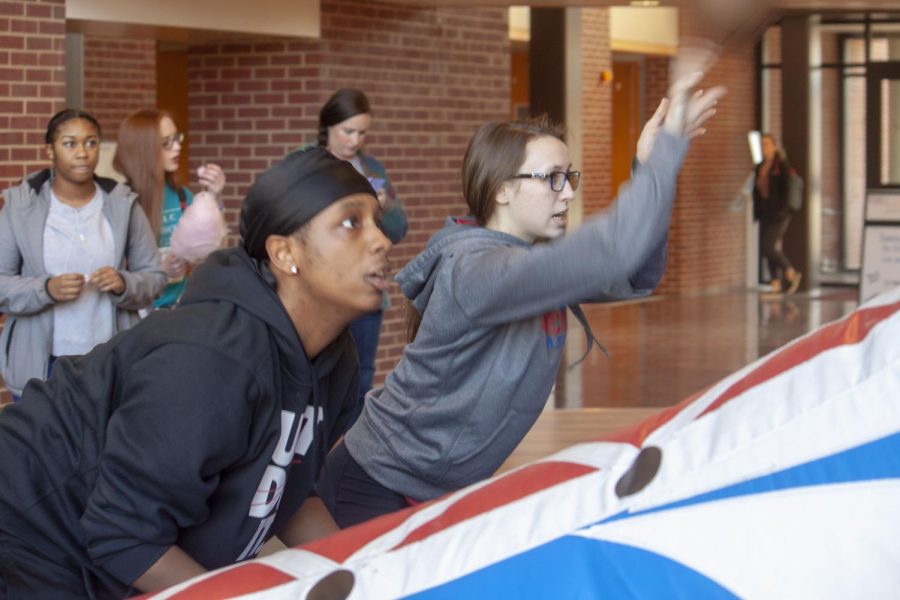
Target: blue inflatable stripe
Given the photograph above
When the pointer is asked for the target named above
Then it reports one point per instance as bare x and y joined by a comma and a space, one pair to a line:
879, 459
578, 567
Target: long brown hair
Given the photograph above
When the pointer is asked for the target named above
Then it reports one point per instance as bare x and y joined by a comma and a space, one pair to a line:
139, 158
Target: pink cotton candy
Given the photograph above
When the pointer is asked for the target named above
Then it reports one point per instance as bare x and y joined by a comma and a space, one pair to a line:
200, 229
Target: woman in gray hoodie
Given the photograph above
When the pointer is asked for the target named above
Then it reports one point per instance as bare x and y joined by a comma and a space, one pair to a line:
77, 257
492, 307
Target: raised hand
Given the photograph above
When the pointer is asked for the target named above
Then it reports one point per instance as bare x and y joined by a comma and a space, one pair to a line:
212, 178
688, 110
651, 129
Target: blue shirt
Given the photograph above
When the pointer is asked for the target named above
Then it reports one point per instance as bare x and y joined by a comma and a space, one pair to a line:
171, 214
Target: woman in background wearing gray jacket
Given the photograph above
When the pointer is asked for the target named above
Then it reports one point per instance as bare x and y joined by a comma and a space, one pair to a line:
77, 256
492, 307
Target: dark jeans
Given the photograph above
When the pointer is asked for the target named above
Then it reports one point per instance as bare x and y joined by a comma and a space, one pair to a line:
366, 331
352, 496
772, 233
49, 373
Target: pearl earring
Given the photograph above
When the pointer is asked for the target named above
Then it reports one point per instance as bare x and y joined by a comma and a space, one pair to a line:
294, 269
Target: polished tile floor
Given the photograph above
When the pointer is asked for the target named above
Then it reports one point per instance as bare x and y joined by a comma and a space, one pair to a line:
665, 348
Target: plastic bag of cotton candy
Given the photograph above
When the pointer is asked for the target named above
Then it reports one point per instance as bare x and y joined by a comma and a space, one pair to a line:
200, 229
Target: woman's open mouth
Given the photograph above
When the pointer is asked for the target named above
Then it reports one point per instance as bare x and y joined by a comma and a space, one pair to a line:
379, 279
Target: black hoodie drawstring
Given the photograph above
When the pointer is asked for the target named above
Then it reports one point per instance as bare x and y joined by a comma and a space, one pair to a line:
591, 338
318, 440
88, 583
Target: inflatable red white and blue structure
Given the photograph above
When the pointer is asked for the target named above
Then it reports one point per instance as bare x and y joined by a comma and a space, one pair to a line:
782, 480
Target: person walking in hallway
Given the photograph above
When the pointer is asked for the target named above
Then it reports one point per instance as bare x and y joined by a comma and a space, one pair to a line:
771, 209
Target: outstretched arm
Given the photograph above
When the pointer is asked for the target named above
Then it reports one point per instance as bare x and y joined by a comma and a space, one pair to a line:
682, 112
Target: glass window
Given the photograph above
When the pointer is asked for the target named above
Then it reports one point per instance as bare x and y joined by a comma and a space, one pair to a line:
890, 132
771, 104
884, 46
854, 156
772, 46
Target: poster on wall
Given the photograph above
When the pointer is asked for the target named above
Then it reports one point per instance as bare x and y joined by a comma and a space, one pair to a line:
881, 244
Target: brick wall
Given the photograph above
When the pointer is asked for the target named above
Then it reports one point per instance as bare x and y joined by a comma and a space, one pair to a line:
707, 248
596, 110
119, 78
433, 75
32, 82
707, 243
32, 86
656, 82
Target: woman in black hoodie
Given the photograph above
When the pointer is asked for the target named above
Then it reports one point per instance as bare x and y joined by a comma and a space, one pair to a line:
187, 443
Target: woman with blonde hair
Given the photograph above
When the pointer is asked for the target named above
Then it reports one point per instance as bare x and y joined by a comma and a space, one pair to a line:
771, 208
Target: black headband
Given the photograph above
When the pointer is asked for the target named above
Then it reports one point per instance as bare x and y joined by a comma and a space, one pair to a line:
292, 192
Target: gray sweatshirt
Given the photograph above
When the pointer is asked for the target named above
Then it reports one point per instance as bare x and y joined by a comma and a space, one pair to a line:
27, 337
481, 368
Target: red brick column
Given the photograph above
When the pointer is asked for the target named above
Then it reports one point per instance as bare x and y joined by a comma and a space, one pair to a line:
32, 81
596, 110
707, 244
32, 86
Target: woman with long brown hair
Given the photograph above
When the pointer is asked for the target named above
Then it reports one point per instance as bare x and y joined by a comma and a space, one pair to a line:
147, 154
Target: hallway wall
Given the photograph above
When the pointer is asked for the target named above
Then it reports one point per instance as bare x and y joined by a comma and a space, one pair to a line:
32, 82
707, 250
119, 78
432, 76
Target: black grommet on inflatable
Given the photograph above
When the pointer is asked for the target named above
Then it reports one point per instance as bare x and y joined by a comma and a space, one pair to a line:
640, 473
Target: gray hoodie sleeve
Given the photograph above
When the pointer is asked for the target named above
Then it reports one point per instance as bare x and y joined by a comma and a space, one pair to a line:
144, 278
19, 294
614, 255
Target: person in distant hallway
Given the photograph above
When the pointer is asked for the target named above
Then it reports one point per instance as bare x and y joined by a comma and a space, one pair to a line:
489, 306
185, 443
77, 257
770, 207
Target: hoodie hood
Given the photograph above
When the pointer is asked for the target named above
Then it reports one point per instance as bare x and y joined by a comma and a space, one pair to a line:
248, 283
416, 279
231, 275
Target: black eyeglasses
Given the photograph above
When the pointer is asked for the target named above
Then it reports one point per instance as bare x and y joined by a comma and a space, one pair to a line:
557, 179
169, 141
